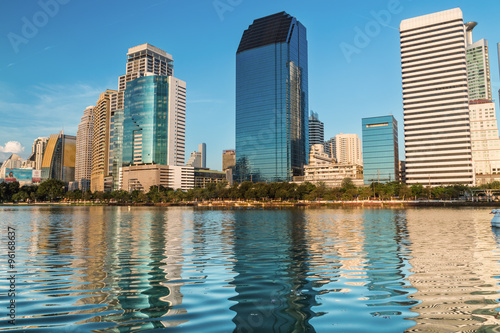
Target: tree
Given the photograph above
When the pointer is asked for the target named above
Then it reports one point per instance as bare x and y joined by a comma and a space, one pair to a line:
51, 189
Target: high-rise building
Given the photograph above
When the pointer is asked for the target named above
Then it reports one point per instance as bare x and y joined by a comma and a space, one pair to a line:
154, 121
316, 130
59, 158
13, 162
83, 160
435, 100
101, 141
36, 157
478, 67
380, 150
141, 60
198, 159
272, 100
228, 159
346, 149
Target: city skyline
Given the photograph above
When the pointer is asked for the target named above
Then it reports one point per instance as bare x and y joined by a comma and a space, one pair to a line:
43, 91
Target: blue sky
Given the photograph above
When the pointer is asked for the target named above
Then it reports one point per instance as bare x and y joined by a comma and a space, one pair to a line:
49, 74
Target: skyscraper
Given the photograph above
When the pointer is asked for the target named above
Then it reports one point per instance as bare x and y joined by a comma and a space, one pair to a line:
198, 159
141, 59
228, 159
316, 130
478, 66
346, 149
83, 161
380, 150
272, 100
154, 121
101, 141
59, 158
36, 157
435, 99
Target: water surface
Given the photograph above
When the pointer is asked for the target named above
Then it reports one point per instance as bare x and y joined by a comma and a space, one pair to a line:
120, 269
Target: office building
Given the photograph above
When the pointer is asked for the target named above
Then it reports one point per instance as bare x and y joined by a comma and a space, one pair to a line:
142, 60
36, 157
142, 177
59, 158
204, 176
83, 160
380, 150
316, 130
323, 169
154, 121
101, 141
228, 159
198, 159
13, 162
272, 100
478, 67
435, 100
346, 149
484, 138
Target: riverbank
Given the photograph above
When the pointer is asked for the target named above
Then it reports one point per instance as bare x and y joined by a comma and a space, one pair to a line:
281, 204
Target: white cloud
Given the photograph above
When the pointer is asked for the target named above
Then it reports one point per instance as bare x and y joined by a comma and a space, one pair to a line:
12, 147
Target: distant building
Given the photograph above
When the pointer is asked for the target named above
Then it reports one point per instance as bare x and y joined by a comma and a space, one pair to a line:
228, 159
83, 161
402, 172
272, 100
484, 138
36, 157
13, 162
346, 149
101, 128
198, 159
142, 177
380, 150
59, 158
316, 130
202, 177
478, 67
323, 169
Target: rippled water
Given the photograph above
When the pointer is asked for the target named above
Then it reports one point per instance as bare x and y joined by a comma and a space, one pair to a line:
115, 269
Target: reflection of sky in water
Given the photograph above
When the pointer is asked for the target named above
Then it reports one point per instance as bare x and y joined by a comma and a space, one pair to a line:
118, 269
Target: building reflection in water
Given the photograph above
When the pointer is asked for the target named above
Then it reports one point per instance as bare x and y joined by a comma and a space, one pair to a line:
454, 269
273, 293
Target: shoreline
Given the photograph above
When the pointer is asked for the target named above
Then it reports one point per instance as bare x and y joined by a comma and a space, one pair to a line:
281, 204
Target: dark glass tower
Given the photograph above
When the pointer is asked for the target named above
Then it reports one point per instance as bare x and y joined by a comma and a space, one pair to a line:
271, 100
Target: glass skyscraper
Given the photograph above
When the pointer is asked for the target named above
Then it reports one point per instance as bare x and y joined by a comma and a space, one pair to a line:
380, 150
272, 100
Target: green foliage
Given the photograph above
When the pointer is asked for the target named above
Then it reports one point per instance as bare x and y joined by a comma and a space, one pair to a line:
51, 190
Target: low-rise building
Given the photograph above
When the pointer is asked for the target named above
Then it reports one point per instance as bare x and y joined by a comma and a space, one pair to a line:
203, 176
142, 177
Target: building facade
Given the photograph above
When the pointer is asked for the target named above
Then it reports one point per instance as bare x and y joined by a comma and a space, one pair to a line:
228, 159
346, 149
198, 159
101, 141
478, 67
142, 177
204, 176
271, 100
59, 158
380, 150
316, 130
36, 157
484, 138
436, 126
83, 160
142, 60
154, 121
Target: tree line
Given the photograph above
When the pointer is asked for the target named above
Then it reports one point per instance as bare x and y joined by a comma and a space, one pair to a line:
54, 190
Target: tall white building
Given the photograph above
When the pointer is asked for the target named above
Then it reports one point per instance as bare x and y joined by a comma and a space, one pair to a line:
435, 99
83, 162
198, 159
346, 149
485, 141
36, 157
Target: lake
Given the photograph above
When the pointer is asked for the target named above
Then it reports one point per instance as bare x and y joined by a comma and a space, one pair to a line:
183, 269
